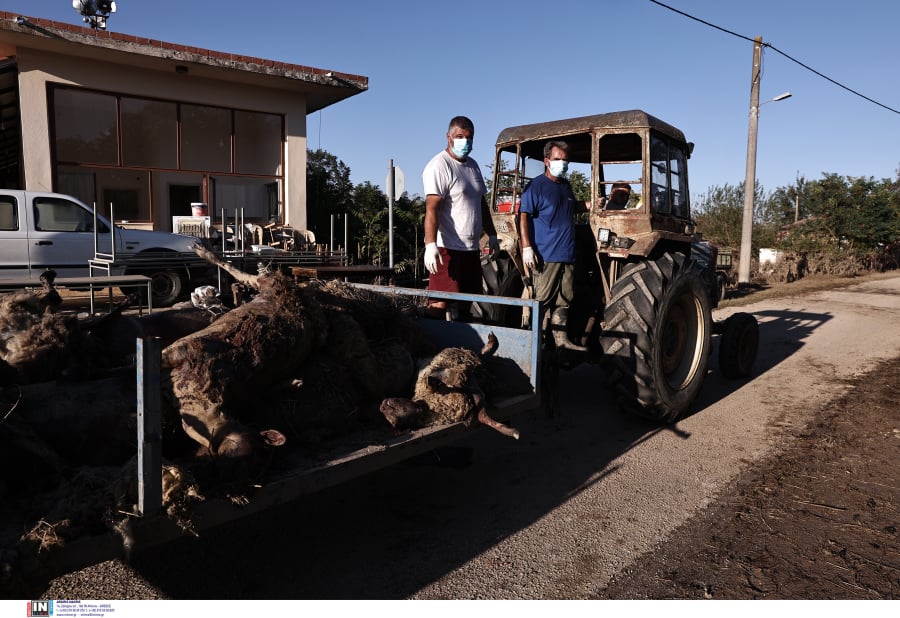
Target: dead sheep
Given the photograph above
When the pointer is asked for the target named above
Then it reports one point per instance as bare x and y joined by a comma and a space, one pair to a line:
449, 389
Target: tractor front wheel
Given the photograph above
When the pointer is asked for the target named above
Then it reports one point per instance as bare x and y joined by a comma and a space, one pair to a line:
656, 333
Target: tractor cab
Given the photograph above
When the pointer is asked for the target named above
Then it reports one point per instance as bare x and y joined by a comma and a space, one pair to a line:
630, 166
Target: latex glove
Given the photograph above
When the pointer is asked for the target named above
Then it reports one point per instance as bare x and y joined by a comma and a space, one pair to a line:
432, 257
494, 245
528, 257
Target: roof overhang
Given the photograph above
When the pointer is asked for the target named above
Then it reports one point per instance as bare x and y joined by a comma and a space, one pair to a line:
321, 87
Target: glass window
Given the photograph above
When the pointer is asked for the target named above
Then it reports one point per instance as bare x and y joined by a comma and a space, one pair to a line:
659, 176
504, 182
205, 138
149, 133
678, 179
125, 194
86, 127
258, 198
9, 213
52, 214
257, 143
620, 171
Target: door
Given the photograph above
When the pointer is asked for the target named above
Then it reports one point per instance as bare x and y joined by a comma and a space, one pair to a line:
180, 198
13, 238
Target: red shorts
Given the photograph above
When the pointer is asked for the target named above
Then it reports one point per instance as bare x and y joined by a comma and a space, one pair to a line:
460, 272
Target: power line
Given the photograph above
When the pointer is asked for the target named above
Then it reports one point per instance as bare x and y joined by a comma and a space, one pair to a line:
808, 68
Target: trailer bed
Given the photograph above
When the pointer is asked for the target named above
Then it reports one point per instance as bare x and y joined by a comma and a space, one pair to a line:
299, 472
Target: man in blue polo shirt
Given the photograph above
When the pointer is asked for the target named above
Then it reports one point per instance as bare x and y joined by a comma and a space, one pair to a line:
546, 221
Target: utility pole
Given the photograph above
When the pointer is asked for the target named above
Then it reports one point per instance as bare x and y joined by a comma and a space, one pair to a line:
391, 181
750, 179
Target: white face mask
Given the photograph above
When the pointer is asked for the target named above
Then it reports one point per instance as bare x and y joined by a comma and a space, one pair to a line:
558, 168
461, 147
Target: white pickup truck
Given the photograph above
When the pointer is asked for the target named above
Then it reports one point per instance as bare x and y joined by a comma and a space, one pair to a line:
41, 231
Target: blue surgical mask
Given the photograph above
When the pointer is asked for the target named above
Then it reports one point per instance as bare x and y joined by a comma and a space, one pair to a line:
462, 146
558, 168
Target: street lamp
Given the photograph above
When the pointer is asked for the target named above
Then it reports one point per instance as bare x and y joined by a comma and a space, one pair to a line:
750, 178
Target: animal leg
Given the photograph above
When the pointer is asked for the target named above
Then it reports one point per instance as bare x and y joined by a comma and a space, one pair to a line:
485, 419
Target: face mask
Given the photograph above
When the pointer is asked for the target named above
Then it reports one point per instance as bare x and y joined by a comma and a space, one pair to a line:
462, 147
558, 168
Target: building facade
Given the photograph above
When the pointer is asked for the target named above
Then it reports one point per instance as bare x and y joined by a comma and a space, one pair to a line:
145, 128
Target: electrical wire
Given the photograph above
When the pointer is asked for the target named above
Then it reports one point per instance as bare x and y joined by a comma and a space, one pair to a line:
775, 49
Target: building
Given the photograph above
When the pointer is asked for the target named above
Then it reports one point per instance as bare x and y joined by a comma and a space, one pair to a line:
151, 127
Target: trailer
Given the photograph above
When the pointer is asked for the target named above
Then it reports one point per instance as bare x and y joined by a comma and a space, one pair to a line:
300, 473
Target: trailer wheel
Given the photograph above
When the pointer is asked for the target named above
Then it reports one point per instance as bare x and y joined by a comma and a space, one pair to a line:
738, 345
657, 329
721, 286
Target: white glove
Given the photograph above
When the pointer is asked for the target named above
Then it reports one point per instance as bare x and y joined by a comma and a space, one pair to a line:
432, 257
528, 257
494, 245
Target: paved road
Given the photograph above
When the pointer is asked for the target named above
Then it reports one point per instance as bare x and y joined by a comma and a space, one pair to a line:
554, 515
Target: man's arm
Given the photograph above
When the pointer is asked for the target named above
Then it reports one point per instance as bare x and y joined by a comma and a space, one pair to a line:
524, 229
432, 205
487, 221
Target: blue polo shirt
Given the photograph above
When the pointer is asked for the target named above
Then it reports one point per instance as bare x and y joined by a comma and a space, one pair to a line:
552, 209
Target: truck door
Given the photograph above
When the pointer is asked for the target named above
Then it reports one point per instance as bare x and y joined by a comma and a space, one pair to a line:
62, 236
13, 238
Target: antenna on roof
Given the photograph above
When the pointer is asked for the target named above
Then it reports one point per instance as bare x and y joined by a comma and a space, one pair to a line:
94, 12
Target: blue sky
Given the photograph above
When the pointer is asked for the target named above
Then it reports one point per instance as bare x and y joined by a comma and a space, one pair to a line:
510, 63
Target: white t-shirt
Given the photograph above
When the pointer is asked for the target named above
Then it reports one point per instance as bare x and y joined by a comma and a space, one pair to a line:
460, 186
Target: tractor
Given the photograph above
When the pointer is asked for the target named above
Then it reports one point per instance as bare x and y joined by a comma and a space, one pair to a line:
643, 292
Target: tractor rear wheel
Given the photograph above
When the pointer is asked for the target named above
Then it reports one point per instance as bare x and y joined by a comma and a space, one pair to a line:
656, 333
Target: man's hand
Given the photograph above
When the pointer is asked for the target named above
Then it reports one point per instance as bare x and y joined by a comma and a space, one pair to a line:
432, 257
494, 245
528, 258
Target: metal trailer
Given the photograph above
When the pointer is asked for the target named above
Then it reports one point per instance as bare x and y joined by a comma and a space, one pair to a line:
351, 457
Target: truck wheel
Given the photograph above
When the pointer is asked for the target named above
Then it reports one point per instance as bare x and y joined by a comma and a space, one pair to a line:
657, 329
738, 345
166, 286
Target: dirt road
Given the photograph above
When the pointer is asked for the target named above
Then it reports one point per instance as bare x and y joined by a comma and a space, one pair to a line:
579, 501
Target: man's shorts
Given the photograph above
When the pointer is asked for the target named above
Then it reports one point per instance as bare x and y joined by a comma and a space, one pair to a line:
460, 272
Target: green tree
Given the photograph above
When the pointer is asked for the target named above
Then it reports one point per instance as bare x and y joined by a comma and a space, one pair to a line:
328, 190
855, 215
719, 215
409, 221
369, 210
581, 185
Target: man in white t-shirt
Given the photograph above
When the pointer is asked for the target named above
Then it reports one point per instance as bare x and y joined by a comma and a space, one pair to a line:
456, 212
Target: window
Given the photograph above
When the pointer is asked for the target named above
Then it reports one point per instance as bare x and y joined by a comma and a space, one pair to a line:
659, 176
257, 143
620, 163
86, 127
59, 215
252, 196
9, 214
115, 149
205, 138
668, 178
149, 133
